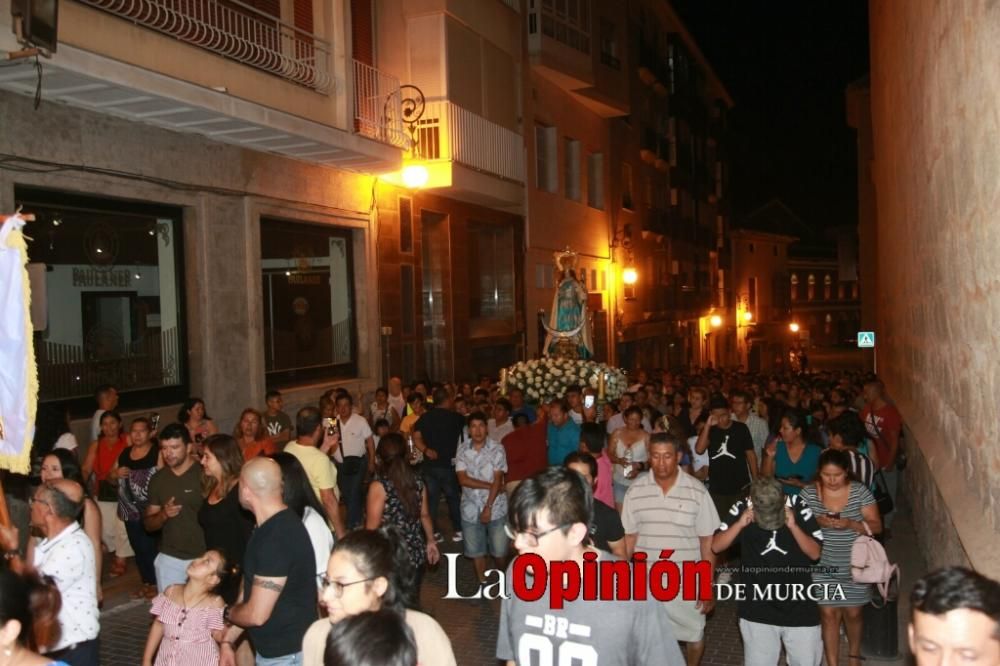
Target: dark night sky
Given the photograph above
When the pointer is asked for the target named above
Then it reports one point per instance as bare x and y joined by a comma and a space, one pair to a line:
786, 64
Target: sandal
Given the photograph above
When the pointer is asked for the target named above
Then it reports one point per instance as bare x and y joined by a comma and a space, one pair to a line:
118, 566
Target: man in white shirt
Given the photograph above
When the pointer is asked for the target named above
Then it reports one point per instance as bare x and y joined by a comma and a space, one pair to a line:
67, 556
355, 457
740, 402
500, 425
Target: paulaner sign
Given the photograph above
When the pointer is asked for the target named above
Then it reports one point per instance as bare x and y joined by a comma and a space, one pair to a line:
92, 277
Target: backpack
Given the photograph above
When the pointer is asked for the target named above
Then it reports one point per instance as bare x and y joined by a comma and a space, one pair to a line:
870, 564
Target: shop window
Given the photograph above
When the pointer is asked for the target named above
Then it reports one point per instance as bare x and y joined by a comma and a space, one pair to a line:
309, 330
491, 274
112, 296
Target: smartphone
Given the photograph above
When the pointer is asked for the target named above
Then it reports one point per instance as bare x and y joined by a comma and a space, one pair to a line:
588, 401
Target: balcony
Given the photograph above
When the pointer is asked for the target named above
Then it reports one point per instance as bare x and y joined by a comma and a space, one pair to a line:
478, 160
218, 69
234, 30
378, 110
448, 132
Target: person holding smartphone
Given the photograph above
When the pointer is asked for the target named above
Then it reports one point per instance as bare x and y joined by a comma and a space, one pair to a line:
791, 459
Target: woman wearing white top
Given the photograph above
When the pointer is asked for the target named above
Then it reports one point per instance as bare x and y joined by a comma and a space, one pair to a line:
628, 450
371, 570
300, 498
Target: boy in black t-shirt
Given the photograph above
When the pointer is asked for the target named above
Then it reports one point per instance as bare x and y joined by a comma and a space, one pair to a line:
606, 530
780, 540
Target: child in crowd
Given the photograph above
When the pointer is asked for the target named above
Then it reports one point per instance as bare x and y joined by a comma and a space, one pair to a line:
381, 430
189, 616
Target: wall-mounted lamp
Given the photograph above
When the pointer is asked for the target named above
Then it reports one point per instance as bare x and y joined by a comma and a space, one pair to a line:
715, 321
415, 176
793, 327
747, 317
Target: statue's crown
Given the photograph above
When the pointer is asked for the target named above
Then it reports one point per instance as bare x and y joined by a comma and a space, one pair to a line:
566, 259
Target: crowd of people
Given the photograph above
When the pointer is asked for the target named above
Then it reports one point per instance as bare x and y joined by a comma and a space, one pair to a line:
305, 540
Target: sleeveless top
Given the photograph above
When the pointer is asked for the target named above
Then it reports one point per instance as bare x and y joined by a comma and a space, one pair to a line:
107, 457
413, 530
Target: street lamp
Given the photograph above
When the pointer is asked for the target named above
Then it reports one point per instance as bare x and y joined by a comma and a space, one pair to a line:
415, 176
630, 276
793, 327
747, 317
715, 321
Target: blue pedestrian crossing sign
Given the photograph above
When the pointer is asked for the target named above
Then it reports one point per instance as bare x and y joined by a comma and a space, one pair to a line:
866, 339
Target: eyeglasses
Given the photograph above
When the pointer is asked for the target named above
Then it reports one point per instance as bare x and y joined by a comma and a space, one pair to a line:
338, 587
531, 538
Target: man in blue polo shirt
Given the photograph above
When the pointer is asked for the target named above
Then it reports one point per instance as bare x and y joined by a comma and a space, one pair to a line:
563, 432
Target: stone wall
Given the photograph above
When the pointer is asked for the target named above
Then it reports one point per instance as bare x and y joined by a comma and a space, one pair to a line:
935, 92
223, 191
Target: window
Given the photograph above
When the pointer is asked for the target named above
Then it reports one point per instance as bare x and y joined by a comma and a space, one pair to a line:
827, 286
609, 45
627, 186
112, 298
752, 293
405, 225
547, 172
567, 21
407, 298
491, 272
795, 286
811, 287
308, 302
595, 181
572, 169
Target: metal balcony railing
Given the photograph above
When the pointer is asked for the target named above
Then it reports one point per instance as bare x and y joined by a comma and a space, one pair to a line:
378, 106
236, 31
449, 132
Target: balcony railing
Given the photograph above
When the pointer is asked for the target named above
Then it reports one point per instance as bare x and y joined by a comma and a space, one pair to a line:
378, 106
236, 31
449, 132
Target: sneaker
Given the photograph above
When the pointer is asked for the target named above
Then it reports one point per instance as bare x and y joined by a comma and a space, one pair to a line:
438, 537
457, 536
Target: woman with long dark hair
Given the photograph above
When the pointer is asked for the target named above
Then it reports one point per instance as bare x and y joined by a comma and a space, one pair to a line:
194, 416
792, 459
398, 497
102, 463
299, 496
371, 570
226, 524
845, 509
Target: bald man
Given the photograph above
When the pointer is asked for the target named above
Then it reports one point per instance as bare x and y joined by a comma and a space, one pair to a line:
67, 555
279, 587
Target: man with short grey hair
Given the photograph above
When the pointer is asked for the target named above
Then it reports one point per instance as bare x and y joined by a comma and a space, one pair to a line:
67, 556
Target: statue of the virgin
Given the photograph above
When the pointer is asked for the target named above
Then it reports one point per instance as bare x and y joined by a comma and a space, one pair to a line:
568, 330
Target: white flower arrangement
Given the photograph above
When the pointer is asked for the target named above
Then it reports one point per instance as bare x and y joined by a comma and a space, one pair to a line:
548, 378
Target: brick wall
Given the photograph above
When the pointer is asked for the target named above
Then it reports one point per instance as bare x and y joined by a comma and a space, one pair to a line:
934, 91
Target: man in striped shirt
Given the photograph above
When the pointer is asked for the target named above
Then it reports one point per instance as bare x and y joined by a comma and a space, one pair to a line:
667, 509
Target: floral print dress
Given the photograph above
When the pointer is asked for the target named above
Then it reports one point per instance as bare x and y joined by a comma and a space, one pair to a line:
395, 513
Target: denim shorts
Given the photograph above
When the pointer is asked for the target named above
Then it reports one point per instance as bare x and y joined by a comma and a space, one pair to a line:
480, 538
620, 490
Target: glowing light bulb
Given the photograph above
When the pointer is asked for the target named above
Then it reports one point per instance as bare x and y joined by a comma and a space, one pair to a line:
630, 275
415, 176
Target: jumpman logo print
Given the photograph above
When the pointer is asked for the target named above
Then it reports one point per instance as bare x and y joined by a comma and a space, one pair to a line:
724, 450
773, 545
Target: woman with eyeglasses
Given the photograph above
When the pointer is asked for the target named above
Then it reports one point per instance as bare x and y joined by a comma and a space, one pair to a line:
371, 570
